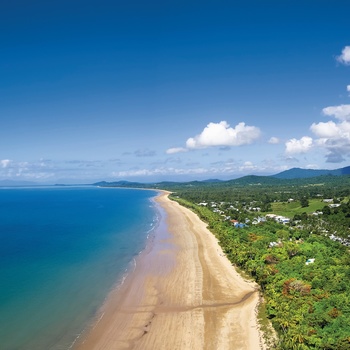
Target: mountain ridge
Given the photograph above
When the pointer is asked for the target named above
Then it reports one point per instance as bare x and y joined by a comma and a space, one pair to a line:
300, 173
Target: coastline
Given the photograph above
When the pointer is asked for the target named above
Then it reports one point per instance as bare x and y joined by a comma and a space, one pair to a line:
182, 294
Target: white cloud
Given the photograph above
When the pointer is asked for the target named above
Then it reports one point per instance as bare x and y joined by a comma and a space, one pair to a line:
274, 140
335, 138
176, 150
326, 130
303, 145
248, 166
332, 136
221, 134
344, 58
5, 163
341, 112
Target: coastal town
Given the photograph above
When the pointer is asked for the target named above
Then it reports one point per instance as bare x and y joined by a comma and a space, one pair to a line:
292, 239
250, 214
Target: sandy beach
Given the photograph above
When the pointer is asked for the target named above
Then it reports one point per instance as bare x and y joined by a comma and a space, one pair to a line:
183, 294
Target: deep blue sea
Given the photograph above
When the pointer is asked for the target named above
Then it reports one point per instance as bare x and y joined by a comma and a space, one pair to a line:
62, 249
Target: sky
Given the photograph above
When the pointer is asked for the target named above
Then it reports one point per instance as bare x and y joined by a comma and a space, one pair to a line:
172, 90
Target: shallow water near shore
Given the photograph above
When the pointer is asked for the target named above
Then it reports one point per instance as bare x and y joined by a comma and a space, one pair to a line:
62, 250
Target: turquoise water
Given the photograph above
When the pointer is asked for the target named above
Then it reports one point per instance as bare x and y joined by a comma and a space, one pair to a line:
61, 251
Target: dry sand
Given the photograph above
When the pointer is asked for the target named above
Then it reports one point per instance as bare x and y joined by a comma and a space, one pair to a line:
183, 294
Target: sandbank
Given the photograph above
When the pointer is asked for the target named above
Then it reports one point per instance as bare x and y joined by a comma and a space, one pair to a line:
183, 294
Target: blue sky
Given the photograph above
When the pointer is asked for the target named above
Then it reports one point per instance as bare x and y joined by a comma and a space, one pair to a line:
150, 91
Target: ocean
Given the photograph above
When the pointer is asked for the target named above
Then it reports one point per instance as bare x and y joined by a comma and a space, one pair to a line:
62, 250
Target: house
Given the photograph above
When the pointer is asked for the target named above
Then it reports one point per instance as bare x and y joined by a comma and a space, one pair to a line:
330, 200
270, 216
240, 225
258, 220
278, 218
254, 208
284, 220
310, 261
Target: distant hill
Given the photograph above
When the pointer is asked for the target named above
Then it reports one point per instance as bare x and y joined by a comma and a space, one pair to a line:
295, 177
162, 184
298, 173
255, 180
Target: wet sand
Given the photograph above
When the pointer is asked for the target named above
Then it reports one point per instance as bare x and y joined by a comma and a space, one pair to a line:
183, 294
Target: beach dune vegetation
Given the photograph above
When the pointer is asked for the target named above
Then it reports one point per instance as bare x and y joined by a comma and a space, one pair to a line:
307, 303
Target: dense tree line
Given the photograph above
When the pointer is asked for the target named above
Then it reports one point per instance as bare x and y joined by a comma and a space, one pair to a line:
308, 304
304, 275
262, 189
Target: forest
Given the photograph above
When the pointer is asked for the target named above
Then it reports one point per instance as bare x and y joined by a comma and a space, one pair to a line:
292, 237
302, 267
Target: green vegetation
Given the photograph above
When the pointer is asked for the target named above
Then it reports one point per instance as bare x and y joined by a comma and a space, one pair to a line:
302, 265
308, 304
294, 207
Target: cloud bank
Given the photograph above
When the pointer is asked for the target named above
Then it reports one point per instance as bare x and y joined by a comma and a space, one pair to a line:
341, 112
331, 136
335, 138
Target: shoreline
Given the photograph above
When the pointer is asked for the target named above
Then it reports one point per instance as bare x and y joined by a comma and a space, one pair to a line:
183, 294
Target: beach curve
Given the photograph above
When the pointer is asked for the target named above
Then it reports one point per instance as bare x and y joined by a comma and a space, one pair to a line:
183, 294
